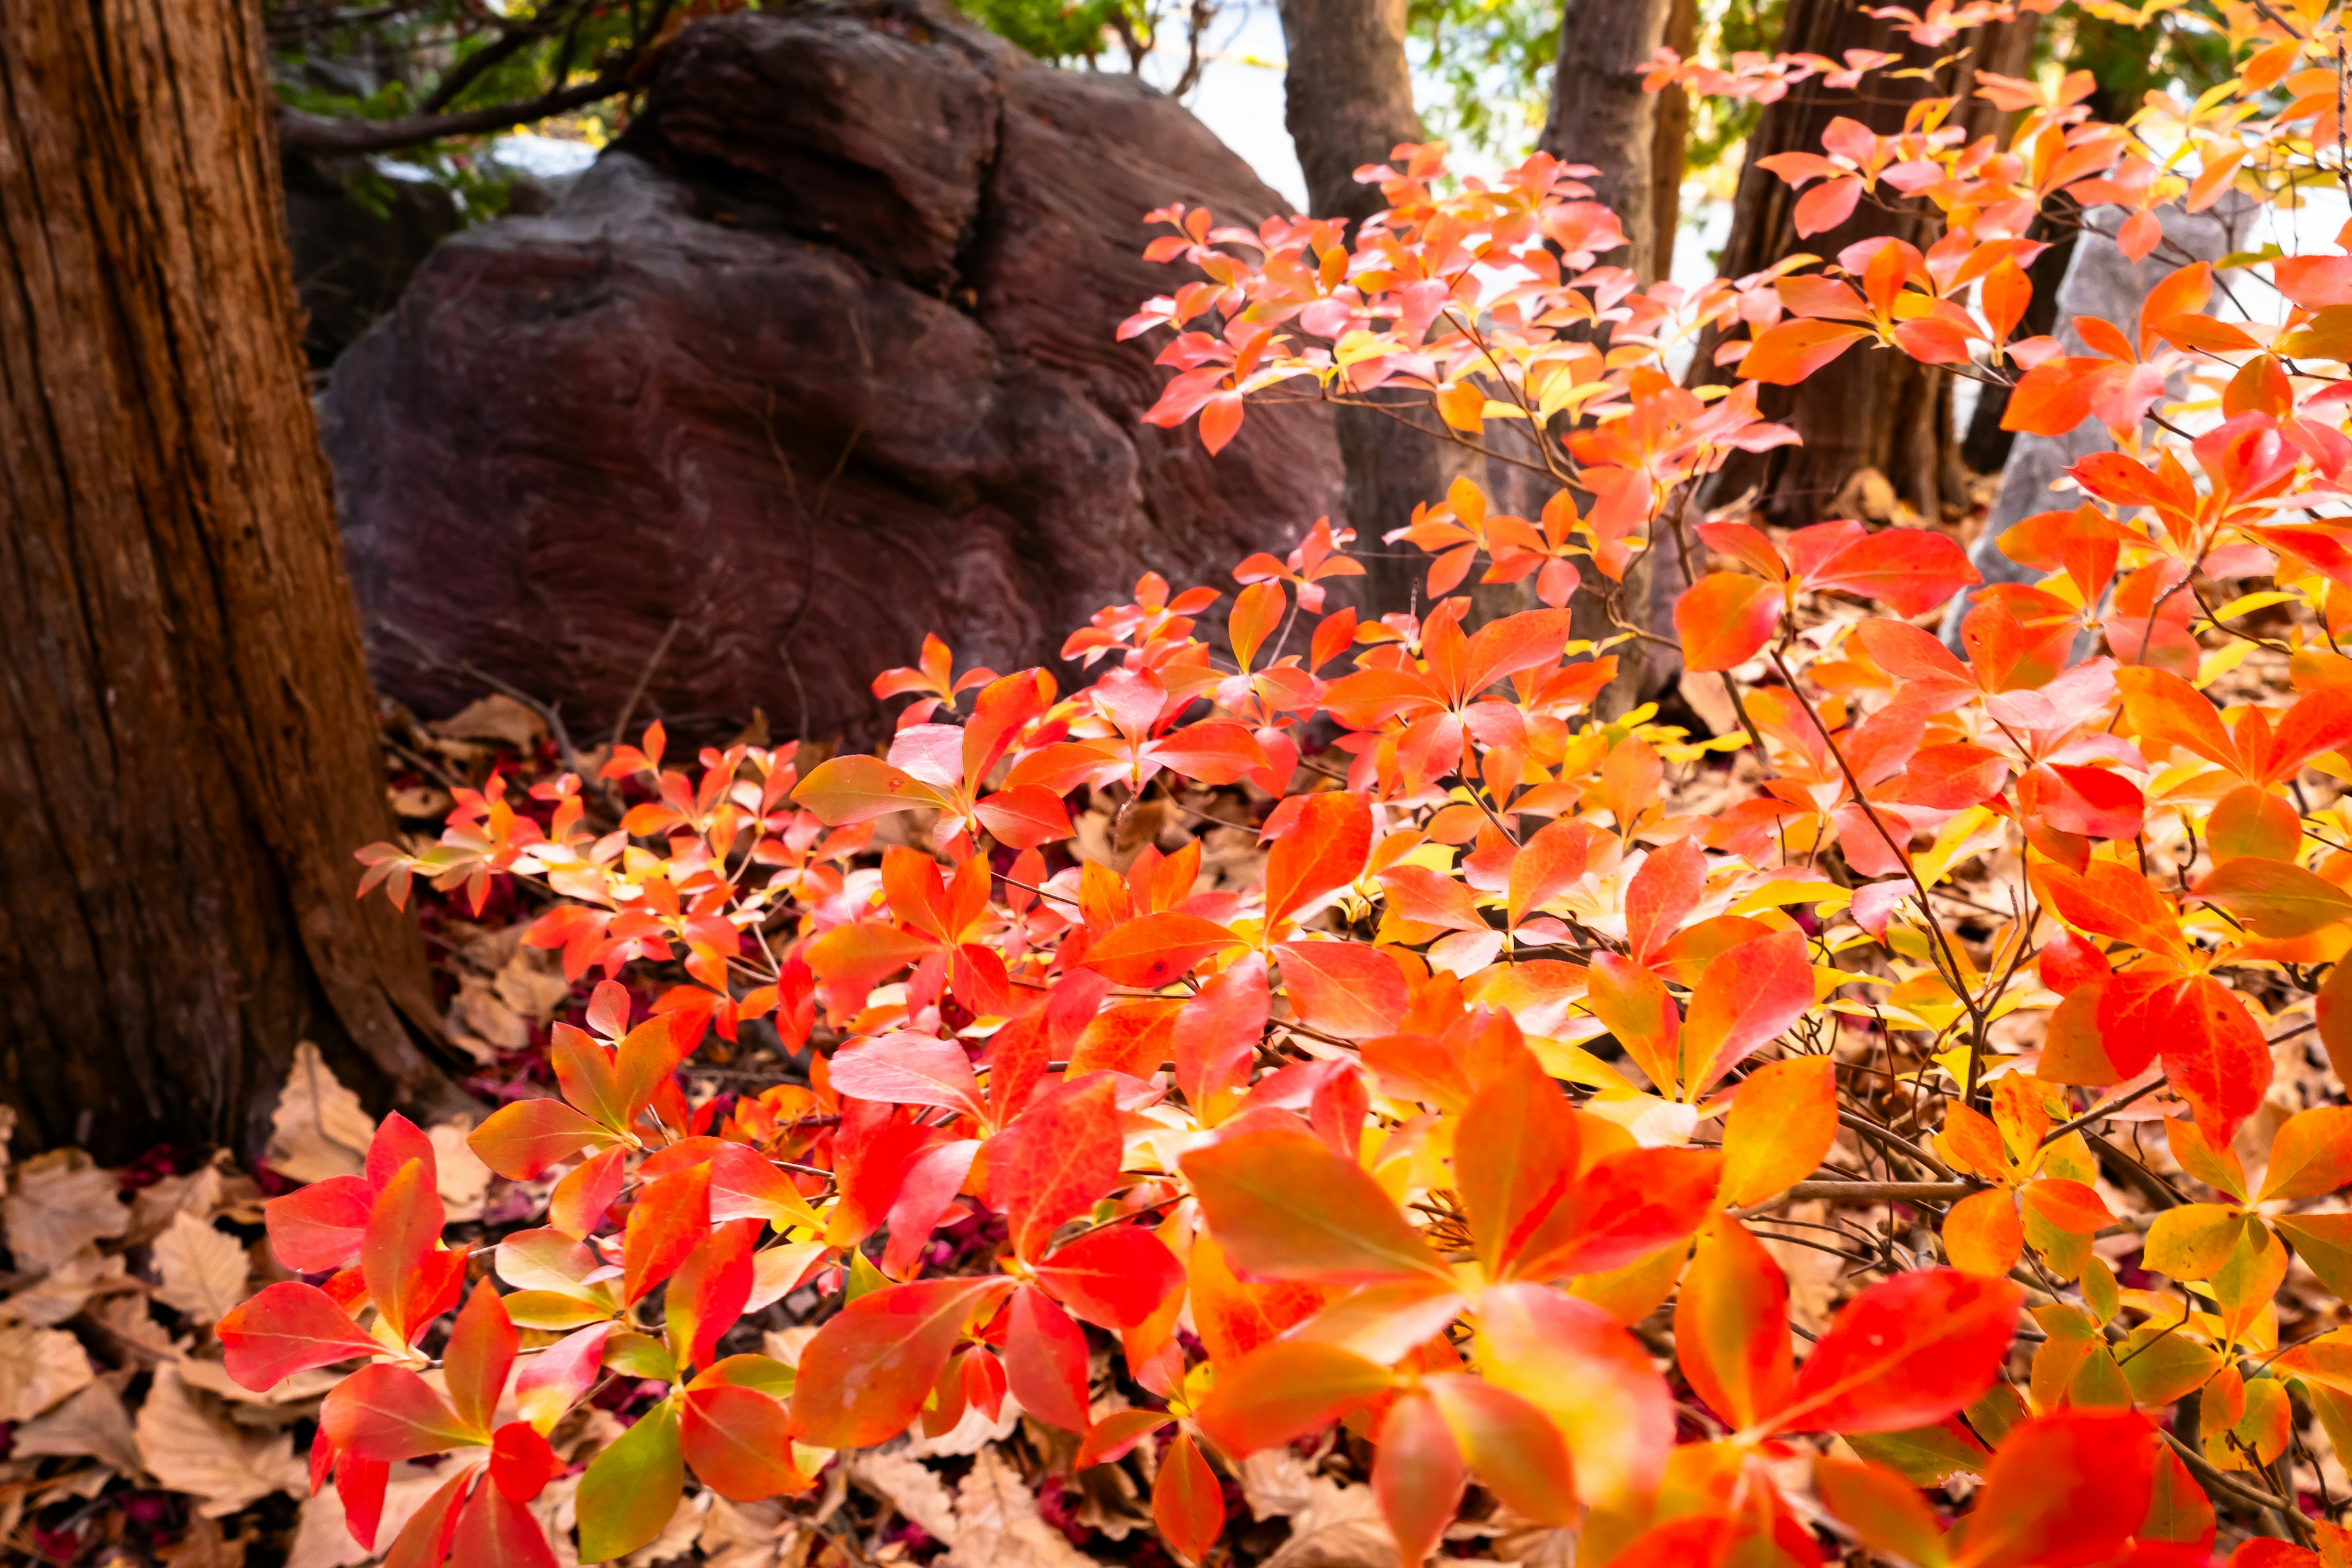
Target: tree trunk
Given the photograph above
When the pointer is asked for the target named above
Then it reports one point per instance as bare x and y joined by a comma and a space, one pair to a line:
187, 746
1348, 102
1599, 115
1670, 147
1873, 408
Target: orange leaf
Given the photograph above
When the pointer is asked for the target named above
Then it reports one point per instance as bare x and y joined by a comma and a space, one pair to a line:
1323, 850
866, 1372
1783, 1121
1286, 1390
739, 1441
1731, 1326
1186, 1504
1343, 988
1725, 619
1982, 1234
2311, 1155
1515, 1150
1282, 1207
1787, 354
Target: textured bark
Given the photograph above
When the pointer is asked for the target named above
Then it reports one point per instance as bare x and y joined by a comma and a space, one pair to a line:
1600, 116
1871, 408
1348, 102
1347, 96
187, 751
1670, 144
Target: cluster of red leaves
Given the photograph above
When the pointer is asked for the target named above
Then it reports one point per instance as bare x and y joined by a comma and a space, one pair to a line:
1500, 1053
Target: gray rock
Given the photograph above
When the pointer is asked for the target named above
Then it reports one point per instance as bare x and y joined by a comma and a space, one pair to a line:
2100, 281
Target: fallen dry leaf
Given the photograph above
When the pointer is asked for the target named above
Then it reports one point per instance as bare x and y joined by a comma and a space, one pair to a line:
997, 1524
752, 1535
58, 1203
911, 1487
198, 1192
38, 1367
205, 1546
66, 1290
204, 1269
496, 717
1332, 1526
462, 1179
190, 1449
319, 1129
92, 1422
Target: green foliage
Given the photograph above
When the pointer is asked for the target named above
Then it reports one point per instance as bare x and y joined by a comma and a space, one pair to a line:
1055, 30
1492, 59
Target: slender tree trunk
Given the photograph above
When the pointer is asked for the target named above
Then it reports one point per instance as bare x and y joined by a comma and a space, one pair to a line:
1871, 409
1670, 147
1634, 140
1599, 115
187, 748
1348, 102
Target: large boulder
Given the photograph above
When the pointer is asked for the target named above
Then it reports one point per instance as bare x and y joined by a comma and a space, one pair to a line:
818, 358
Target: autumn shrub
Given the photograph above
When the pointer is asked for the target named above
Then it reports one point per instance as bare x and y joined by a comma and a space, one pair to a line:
1484, 1114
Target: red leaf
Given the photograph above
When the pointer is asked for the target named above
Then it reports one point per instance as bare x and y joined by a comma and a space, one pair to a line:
1911, 570
287, 1328
402, 1231
1045, 1360
1906, 1352
317, 1229
1055, 1160
907, 1069
495, 1532
2069, 1488
1745, 998
1115, 1278
1627, 1206
1216, 1035
522, 1463
669, 1217
1157, 950
708, 1293
389, 1414
2215, 1055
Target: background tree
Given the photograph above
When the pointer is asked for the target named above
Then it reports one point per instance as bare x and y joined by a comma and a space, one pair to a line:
187, 746
1600, 116
1348, 102
1884, 411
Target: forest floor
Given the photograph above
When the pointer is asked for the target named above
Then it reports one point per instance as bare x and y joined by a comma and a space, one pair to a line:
122, 1440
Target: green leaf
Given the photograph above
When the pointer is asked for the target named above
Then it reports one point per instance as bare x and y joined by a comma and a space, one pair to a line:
632, 1488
